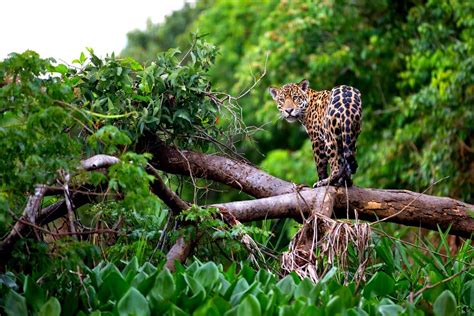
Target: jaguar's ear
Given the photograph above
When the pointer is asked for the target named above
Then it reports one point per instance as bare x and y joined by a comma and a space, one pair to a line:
304, 85
273, 92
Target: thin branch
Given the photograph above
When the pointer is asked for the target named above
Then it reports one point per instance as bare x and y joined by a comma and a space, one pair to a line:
56, 234
67, 198
430, 286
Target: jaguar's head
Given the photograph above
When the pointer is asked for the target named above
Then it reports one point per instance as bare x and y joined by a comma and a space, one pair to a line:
291, 100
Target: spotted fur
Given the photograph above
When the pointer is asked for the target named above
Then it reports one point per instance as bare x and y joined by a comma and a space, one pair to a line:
332, 120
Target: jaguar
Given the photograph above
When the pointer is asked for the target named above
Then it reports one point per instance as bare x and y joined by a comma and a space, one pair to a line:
332, 119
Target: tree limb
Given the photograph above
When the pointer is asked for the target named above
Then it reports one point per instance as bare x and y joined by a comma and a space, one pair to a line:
419, 210
98, 161
43, 217
171, 199
181, 248
236, 174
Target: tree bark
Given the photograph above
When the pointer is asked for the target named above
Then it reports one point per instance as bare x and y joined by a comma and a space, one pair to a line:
398, 206
237, 174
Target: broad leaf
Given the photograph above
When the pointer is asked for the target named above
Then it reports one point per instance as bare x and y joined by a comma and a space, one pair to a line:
249, 306
207, 274
380, 284
15, 304
133, 303
445, 304
50, 308
34, 294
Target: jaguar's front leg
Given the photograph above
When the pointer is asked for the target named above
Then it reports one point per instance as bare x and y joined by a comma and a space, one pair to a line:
335, 178
335, 163
322, 168
320, 158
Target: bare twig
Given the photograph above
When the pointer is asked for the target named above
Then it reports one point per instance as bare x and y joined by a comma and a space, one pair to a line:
70, 212
80, 277
56, 234
430, 286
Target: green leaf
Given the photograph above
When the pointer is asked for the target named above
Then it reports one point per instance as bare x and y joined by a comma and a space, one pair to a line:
183, 114
50, 308
110, 105
215, 306
149, 268
134, 65
61, 68
8, 278
88, 295
329, 275
70, 302
165, 285
248, 273
311, 310
116, 284
176, 311
130, 269
304, 289
468, 293
334, 306
207, 274
380, 284
287, 285
198, 291
15, 304
249, 306
390, 309
241, 287
147, 284
34, 294
133, 303
445, 304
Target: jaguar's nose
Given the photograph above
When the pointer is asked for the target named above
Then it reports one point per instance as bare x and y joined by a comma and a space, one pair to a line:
288, 110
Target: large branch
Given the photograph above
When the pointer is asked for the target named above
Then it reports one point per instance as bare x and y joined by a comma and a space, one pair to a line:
236, 174
399, 206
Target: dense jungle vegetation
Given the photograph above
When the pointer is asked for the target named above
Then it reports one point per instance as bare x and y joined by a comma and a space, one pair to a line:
199, 81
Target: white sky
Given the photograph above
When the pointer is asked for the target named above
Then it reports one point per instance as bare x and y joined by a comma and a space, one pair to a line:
64, 28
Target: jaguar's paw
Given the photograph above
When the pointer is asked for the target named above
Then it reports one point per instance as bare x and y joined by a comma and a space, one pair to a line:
320, 184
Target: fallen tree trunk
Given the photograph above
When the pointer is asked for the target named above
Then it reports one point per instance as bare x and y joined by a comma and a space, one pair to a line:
398, 206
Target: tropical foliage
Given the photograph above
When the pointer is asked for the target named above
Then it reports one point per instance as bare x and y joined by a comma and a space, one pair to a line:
208, 289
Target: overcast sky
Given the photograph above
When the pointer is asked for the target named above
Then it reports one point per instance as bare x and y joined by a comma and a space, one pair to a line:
63, 28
